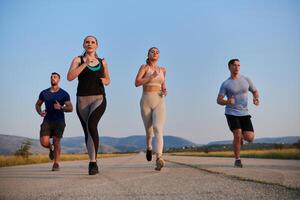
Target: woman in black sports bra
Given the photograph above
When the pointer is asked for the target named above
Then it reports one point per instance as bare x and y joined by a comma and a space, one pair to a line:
92, 74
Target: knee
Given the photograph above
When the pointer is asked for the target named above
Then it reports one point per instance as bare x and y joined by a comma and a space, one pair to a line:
149, 131
92, 127
237, 134
249, 136
44, 142
158, 131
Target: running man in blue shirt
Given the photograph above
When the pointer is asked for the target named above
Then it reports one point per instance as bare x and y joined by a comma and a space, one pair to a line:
57, 101
235, 89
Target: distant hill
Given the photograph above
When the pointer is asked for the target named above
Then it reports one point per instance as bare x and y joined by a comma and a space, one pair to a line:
275, 140
9, 144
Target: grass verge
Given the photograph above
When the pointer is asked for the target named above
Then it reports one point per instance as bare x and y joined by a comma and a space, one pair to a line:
6, 161
270, 153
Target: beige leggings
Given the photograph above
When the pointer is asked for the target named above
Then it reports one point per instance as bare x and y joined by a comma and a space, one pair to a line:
153, 112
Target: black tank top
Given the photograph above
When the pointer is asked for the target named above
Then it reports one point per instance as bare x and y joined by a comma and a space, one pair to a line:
89, 82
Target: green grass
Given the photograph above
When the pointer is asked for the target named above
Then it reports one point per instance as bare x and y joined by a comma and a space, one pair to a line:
6, 161
272, 153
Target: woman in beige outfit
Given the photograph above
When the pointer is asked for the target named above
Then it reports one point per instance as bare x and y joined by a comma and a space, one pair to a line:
153, 110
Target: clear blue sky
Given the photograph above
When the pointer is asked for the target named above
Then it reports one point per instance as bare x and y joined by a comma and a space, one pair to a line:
196, 39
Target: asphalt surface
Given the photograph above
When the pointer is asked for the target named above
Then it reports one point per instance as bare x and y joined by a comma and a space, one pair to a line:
272, 171
135, 178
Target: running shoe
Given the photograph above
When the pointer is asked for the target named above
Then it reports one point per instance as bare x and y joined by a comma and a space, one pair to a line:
93, 168
55, 167
238, 163
96, 168
149, 155
160, 163
51, 152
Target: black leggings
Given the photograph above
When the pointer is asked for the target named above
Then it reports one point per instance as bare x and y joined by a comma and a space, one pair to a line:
90, 110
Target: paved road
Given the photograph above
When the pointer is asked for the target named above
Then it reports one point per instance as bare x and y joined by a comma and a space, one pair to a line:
280, 172
131, 178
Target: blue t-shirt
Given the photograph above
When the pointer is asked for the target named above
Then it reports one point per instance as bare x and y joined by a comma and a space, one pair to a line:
239, 89
50, 99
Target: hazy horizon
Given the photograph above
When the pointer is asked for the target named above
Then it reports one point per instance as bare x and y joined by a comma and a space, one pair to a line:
142, 135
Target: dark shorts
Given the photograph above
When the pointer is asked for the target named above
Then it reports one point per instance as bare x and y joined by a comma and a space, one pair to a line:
239, 122
52, 129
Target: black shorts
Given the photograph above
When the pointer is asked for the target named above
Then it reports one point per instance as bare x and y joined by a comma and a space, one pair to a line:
52, 129
239, 122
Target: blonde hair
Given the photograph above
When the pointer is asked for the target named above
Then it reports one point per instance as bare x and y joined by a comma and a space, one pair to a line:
84, 52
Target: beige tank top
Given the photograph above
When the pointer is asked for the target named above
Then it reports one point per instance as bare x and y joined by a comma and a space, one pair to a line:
156, 81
